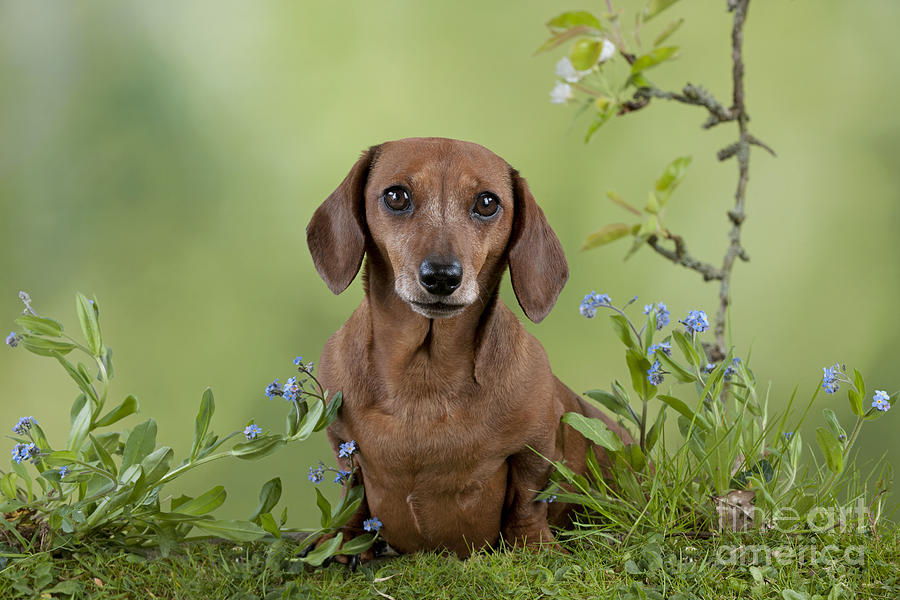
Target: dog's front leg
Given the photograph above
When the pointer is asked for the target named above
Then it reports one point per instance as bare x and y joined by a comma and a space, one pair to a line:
524, 518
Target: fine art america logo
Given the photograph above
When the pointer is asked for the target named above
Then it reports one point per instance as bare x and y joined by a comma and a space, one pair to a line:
820, 520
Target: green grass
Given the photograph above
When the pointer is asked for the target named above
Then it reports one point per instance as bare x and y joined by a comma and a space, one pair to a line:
652, 567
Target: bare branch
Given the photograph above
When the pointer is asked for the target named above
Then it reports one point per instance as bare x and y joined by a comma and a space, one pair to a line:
741, 150
680, 256
690, 94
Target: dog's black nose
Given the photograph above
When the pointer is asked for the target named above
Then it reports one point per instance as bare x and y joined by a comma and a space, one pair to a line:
440, 277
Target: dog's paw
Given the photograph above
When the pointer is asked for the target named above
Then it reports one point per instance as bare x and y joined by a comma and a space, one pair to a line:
533, 538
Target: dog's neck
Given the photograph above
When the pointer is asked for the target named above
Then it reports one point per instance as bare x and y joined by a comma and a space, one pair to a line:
405, 345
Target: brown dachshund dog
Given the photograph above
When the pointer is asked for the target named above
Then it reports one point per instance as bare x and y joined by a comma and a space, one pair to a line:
447, 396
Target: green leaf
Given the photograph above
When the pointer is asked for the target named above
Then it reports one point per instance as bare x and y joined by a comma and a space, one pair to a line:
291, 423
649, 227
674, 368
668, 31
671, 177
331, 411
133, 475
201, 425
204, 503
635, 458
639, 81
269, 495
652, 204
585, 53
83, 381
684, 409
654, 7
558, 38
106, 358
653, 58
257, 448
156, 464
593, 466
856, 404
638, 365
623, 331
40, 325
856, 395
80, 427
104, 456
324, 509
834, 425
8, 486
267, 522
176, 517
360, 543
90, 324
859, 383
326, 550
653, 434
237, 531
650, 329
617, 199
40, 439
129, 406
599, 121
605, 235
570, 19
347, 506
594, 430
831, 448
46, 347
803, 504
687, 349
310, 420
60, 458
141, 442
611, 402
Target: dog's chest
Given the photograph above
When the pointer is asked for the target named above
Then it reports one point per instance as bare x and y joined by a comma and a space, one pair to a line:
436, 474
427, 433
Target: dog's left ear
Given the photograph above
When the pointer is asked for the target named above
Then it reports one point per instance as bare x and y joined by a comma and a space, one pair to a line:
336, 234
537, 264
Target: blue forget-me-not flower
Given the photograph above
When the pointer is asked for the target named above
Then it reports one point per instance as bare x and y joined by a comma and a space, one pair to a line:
590, 303
696, 321
347, 448
880, 400
831, 379
23, 425
373, 524
251, 431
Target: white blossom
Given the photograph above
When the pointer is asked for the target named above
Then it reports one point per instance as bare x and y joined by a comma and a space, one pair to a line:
565, 70
561, 93
607, 52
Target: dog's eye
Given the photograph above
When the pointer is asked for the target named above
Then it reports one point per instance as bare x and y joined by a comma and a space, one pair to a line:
397, 199
486, 205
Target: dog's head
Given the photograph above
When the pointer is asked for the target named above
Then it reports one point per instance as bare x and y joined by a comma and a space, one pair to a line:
444, 217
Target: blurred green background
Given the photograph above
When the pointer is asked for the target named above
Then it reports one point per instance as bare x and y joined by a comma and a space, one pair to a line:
166, 156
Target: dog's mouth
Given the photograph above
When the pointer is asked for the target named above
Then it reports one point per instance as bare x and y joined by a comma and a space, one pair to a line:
437, 310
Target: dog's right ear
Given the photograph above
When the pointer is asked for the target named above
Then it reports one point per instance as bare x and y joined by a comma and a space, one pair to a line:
336, 234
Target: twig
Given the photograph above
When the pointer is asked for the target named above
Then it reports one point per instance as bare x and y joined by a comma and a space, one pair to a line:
698, 96
742, 153
681, 257
690, 94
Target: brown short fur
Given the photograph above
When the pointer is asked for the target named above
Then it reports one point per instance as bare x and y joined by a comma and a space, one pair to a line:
448, 413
